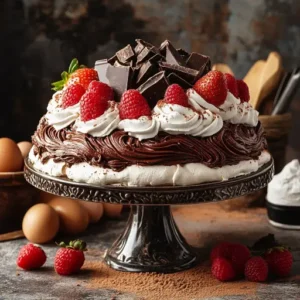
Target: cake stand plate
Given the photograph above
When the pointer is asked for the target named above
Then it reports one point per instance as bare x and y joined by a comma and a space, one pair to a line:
151, 241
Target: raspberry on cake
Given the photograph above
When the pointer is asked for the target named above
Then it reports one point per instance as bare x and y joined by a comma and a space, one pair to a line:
149, 119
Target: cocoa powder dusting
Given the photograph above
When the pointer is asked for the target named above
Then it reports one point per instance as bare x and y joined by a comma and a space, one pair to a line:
195, 283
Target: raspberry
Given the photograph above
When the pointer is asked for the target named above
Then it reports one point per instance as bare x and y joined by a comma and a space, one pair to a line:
31, 257
240, 254
222, 269
222, 249
175, 94
72, 95
102, 89
231, 85
133, 105
243, 91
256, 269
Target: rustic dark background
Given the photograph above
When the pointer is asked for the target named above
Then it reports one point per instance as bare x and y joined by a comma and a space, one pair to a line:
38, 38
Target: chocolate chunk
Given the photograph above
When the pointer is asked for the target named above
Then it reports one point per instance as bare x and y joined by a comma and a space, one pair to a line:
184, 54
154, 88
146, 54
163, 47
145, 44
174, 78
126, 54
101, 68
120, 79
185, 73
199, 62
146, 71
171, 55
112, 59
156, 58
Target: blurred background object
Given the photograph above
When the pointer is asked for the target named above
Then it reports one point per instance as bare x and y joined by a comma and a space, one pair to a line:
40, 37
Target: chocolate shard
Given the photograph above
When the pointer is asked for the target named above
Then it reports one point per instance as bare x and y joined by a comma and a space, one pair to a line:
147, 70
172, 57
199, 62
101, 68
112, 59
154, 88
185, 73
156, 58
145, 54
184, 54
120, 79
126, 54
174, 78
143, 43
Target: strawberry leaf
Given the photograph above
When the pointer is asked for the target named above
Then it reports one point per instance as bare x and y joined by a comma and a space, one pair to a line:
73, 65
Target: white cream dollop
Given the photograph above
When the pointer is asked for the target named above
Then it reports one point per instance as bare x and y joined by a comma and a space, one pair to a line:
198, 103
229, 108
246, 114
177, 119
141, 128
284, 189
103, 125
60, 117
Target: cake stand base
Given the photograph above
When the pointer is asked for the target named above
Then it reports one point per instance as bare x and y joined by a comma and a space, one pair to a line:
151, 242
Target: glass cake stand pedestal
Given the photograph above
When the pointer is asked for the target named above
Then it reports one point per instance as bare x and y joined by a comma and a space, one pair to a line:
151, 241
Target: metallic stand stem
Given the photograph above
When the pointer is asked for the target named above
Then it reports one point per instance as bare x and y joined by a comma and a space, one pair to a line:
151, 242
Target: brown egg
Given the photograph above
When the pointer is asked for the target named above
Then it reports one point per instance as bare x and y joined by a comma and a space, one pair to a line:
45, 197
112, 210
40, 223
24, 148
95, 210
73, 217
11, 159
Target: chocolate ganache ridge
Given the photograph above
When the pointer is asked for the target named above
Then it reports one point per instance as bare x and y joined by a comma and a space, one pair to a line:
232, 144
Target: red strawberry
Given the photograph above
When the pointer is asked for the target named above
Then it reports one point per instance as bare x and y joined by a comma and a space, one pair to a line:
72, 94
222, 249
212, 87
243, 91
231, 84
240, 254
222, 269
102, 89
175, 94
92, 105
76, 74
133, 105
256, 269
31, 257
70, 258
280, 261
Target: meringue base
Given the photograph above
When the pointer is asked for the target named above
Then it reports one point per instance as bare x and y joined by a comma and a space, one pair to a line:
175, 175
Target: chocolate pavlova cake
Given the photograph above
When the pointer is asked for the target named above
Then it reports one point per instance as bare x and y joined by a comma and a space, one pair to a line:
149, 116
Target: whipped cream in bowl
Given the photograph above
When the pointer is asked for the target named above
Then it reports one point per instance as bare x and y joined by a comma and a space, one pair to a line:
103, 125
142, 128
177, 119
60, 117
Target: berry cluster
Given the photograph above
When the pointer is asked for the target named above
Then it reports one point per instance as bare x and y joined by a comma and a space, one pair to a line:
232, 260
68, 259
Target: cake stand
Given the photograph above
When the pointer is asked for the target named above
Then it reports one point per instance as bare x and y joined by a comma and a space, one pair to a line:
151, 241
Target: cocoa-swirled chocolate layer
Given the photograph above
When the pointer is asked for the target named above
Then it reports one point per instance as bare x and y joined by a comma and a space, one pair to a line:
232, 144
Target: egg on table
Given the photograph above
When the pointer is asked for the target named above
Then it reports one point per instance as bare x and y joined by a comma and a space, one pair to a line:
24, 148
73, 217
112, 210
40, 223
11, 159
95, 210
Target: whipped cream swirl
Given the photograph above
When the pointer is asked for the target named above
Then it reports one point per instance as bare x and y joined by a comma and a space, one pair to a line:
103, 125
246, 114
58, 116
141, 128
177, 119
232, 110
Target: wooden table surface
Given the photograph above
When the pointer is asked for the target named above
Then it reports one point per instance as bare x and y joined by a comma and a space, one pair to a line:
202, 225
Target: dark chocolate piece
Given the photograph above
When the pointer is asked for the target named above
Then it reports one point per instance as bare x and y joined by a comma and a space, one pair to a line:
156, 58
171, 55
184, 54
147, 70
185, 73
126, 54
174, 78
112, 59
199, 62
154, 88
101, 68
120, 79
146, 54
